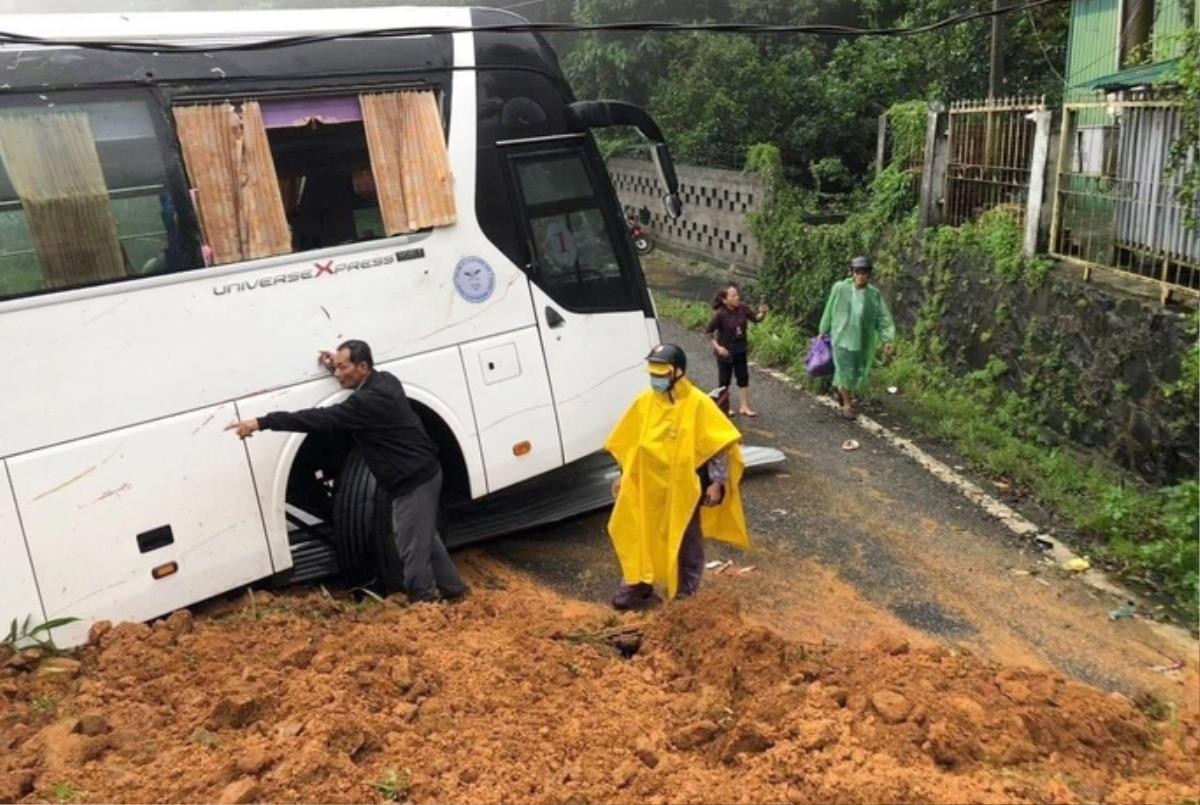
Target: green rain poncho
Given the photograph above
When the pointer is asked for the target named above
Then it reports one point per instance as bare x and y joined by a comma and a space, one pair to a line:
857, 321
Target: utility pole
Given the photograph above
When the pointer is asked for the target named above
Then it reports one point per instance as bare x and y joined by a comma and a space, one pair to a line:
996, 70
995, 77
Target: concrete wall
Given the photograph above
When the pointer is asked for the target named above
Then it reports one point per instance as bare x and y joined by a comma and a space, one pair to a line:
1091, 358
716, 203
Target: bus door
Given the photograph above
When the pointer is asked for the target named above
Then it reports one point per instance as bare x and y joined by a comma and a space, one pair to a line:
588, 294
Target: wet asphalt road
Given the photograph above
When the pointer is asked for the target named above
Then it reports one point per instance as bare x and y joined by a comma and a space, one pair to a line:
849, 545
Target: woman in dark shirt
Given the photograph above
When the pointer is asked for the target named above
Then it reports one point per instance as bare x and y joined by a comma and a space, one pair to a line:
727, 331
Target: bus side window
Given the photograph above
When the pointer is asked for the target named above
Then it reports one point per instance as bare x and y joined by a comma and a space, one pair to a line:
85, 195
320, 171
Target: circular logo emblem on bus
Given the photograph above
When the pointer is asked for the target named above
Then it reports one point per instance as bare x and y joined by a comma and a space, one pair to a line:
474, 279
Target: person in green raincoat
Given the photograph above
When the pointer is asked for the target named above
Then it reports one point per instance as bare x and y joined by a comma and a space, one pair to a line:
857, 321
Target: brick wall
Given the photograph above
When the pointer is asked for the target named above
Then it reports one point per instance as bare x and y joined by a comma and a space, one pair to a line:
716, 203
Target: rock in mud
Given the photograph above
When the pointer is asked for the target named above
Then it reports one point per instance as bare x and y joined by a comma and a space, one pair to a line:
92, 724
626, 773
749, 739
240, 792
253, 761
971, 711
97, 631
695, 734
289, 729
816, 735
645, 753
892, 645
401, 673
804, 672
891, 706
949, 746
16, 784
324, 661
1017, 692
405, 711
298, 655
234, 711
65, 748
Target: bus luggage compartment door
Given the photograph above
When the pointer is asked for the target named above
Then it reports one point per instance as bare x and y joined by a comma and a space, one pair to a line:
132, 524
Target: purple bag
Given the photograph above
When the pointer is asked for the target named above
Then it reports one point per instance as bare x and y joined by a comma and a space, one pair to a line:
819, 362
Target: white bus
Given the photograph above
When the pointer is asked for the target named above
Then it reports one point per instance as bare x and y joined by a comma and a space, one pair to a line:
181, 232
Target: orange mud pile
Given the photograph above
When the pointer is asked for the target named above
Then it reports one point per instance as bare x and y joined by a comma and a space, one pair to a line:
514, 695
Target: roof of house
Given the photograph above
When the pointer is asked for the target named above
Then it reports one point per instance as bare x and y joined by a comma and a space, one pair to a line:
1162, 72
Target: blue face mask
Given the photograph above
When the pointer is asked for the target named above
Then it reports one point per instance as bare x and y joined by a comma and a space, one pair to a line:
660, 383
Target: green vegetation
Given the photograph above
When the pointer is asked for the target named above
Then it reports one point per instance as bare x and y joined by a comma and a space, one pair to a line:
803, 260
1183, 150
394, 785
64, 792
692, 315
25, 634
817, 98
44, 704
1144, 532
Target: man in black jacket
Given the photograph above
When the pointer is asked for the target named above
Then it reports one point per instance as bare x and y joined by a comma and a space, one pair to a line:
399, 453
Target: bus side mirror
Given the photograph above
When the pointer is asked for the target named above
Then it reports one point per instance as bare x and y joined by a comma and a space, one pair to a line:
584, 115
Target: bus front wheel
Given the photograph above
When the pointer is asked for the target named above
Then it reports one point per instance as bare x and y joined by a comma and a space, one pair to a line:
362, 524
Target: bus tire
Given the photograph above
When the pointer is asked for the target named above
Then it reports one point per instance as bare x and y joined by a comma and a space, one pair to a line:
362, 522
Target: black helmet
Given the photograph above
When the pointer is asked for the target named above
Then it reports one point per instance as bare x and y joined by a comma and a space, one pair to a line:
669, 353
860, 263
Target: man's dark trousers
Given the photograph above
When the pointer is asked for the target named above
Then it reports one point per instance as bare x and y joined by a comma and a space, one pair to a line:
428, 571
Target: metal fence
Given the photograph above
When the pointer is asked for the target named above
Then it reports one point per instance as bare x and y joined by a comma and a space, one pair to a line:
1116, 202
990, 151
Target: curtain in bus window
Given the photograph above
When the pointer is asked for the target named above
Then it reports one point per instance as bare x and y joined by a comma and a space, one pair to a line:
233, 179
54, 168
409, 160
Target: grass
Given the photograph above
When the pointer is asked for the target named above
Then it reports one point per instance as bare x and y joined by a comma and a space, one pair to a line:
64, 792
45, 705
693, 315
27, 634
1143, 533
394, 785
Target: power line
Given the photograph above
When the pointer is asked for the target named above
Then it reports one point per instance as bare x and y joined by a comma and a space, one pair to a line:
1045, 54
525, 27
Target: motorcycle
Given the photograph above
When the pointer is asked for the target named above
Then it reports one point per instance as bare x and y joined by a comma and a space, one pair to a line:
641, 240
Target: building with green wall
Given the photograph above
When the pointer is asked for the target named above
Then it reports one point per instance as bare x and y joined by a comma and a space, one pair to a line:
1122, 42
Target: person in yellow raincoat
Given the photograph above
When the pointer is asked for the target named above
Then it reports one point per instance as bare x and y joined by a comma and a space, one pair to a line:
676, 450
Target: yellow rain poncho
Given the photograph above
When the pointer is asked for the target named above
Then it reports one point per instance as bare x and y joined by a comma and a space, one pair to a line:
659, 446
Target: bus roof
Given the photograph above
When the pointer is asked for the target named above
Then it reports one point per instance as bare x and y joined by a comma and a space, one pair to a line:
197, 27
